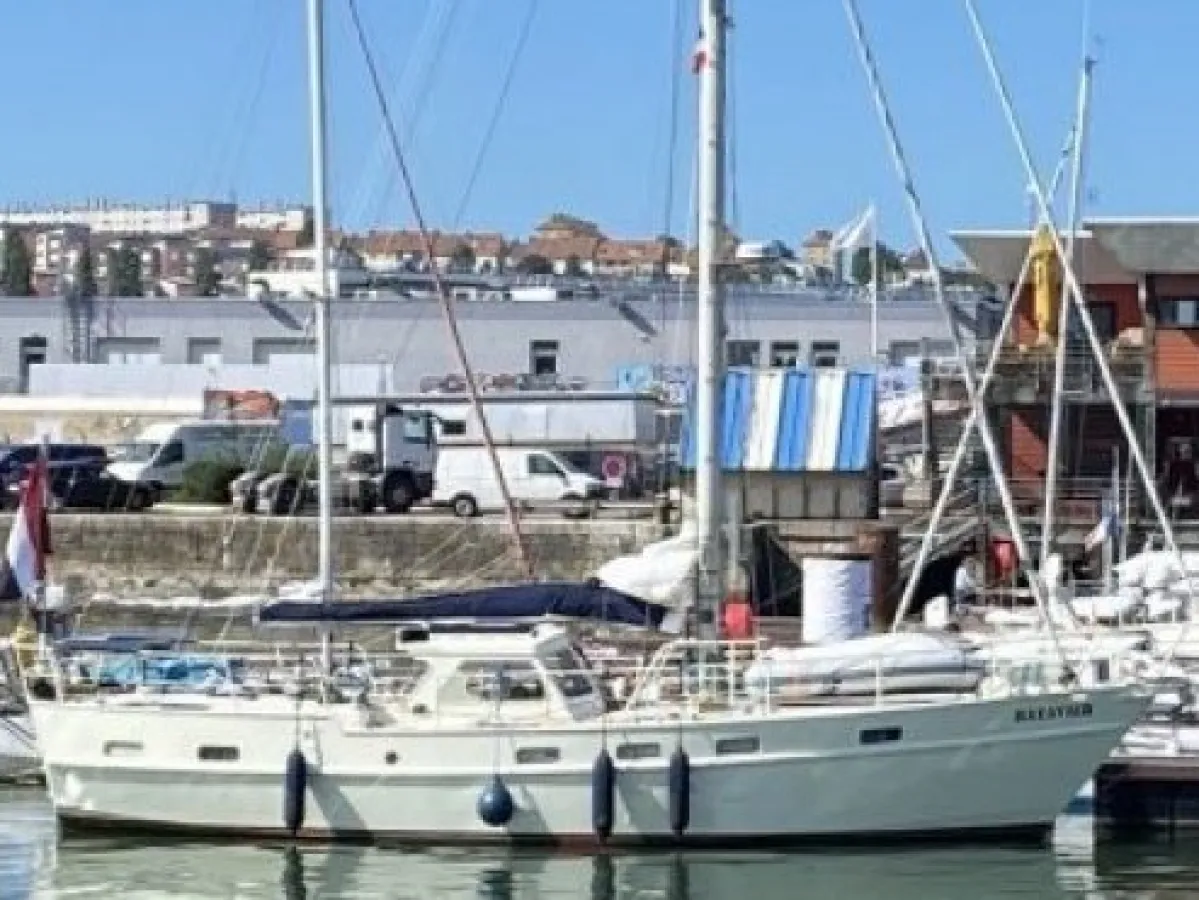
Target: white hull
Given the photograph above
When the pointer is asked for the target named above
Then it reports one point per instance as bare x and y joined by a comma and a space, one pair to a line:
956, 769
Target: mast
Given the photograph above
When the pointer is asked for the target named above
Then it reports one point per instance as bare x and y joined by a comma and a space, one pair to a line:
709, 483
324, 357
874, 286
1057, 410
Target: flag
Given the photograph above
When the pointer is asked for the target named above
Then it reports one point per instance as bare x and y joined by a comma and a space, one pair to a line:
699, 56
23, 567
1108, 526
854, 234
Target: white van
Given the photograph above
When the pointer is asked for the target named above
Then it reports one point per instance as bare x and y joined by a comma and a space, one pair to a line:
466, 481
161, 452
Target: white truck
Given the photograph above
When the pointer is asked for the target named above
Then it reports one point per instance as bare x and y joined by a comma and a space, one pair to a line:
162, 451
391, 458
466, 481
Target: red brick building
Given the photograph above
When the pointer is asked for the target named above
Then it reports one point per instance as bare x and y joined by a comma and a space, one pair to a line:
1141, 281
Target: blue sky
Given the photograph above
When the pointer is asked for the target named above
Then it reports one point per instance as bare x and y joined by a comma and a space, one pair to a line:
148, 99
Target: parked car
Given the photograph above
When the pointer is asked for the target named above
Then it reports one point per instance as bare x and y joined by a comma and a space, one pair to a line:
15, 459
86, 485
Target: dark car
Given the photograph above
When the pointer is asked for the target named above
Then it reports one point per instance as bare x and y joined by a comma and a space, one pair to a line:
87, 486
15, 460
84, 484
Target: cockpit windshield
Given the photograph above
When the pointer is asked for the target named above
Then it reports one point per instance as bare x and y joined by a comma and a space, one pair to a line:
569, 670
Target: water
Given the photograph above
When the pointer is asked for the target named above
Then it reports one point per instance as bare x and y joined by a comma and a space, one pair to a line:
34, 864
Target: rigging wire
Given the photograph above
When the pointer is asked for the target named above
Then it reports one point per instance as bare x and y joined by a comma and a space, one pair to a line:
443, 292
672, 138
233, 163
985, 433
497, 111
1069, 276
234, 83
421, 67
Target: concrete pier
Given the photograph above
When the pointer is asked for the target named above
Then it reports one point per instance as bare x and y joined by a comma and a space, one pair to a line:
165, 555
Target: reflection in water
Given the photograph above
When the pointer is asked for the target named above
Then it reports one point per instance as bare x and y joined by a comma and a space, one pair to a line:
32, 865
293, 875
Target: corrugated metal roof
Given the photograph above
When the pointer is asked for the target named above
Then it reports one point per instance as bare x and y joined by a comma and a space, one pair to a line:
793, 420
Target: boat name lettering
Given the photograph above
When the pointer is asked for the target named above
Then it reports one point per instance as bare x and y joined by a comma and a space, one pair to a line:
1059, 711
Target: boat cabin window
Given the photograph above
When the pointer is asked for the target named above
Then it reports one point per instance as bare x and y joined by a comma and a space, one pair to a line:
535, 755
122, 748
489, 681
218, 754
880, 735
569, 672
638, 751
734, 745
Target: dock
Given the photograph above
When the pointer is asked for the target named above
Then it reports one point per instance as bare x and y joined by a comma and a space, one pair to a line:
1153, 794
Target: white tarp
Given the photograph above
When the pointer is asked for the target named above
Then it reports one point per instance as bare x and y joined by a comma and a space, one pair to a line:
904, 661
836, 598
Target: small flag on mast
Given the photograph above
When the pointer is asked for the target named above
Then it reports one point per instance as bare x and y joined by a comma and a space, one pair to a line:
1108, 526
23, 567
699, 56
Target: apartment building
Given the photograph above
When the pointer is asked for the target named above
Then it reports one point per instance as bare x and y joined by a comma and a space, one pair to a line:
1140, 278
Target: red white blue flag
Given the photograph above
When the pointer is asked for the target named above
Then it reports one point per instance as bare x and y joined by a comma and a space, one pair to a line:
23, 567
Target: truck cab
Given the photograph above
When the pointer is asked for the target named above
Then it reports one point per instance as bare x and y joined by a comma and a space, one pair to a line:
394, 449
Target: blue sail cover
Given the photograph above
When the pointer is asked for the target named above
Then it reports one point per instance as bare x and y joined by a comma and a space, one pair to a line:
564, 599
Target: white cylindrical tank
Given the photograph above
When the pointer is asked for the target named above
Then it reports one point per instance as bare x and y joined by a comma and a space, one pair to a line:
836, 598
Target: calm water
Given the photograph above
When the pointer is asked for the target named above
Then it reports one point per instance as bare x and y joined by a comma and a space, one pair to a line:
34, 864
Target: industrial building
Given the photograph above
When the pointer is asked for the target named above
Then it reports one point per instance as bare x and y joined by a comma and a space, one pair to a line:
585, 342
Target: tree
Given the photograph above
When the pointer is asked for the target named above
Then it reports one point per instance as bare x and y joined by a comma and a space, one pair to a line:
535, 264
17, 278
860, 265
208, 277
125, 272
573, 267
85, 274
307, 235
463, 258
565, 222
259, 257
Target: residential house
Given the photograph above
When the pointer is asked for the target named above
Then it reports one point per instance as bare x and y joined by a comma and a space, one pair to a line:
637, 258
574, 255
916, 267
816, 250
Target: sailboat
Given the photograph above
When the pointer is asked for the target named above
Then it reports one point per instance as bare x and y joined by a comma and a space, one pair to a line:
503, 731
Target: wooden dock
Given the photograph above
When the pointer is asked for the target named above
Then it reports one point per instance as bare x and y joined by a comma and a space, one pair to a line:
1148, 794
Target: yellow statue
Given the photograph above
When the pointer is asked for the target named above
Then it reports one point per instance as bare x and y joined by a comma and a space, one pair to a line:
1046, 285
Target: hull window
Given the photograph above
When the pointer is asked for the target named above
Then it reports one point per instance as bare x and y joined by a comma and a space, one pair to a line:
730, 746
535, 755
122, 748
880, 735
218, 754
638, 751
